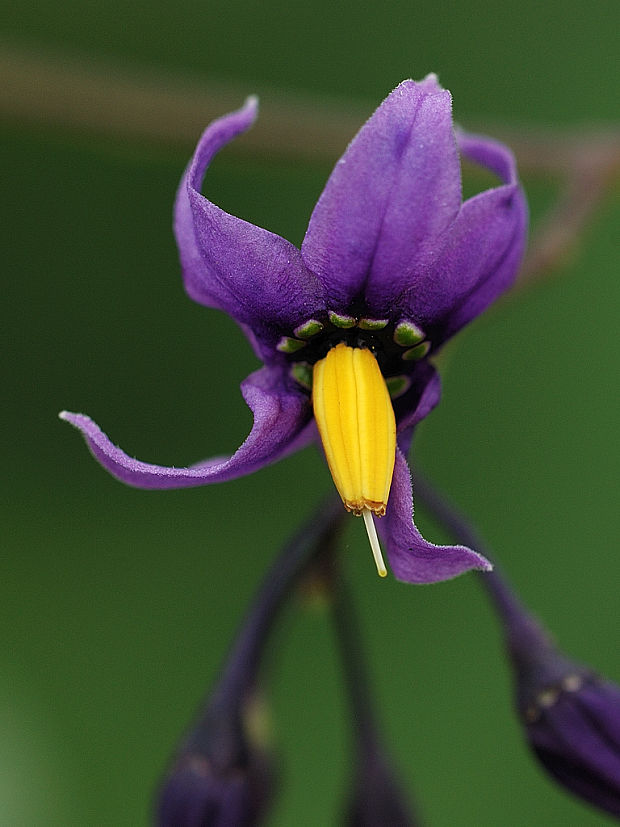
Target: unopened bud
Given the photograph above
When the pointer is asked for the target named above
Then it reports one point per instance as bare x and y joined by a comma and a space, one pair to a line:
570, 716
218, 780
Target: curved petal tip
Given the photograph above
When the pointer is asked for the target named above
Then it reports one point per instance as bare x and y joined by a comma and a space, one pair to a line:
250, 108
422, 562
280, 425
431, 83
392, 195
412, 558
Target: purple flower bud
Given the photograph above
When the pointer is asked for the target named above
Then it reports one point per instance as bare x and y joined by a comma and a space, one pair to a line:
571, 717
576, 737
377, 798
202, 791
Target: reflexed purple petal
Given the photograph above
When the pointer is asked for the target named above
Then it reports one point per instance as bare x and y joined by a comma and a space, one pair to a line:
282, 424
255, 276
412, 558
394, 191
481, 254
489, 153
423, 395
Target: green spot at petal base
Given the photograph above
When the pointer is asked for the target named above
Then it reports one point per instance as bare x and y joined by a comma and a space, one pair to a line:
302, 374
372, 324
407, 334
338, 320
308, 329
417, 352
397, 385
289, 345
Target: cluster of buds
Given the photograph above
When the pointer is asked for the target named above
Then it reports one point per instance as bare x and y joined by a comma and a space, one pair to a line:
224, 774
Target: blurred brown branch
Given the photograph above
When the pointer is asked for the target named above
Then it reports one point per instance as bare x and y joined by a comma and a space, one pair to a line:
124, 103
53, 91
591, 164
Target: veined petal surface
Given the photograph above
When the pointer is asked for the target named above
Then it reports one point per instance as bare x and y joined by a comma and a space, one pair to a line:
396, 190
254, 275
479, 256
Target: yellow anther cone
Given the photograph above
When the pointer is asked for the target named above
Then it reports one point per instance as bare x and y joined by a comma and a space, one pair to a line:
355, 418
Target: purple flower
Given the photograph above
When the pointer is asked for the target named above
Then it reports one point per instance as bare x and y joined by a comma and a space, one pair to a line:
393, 263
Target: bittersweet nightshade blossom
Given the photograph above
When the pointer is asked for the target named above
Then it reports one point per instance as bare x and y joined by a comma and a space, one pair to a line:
393, 263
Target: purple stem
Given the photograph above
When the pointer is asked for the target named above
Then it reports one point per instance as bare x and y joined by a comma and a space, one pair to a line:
242, 662
355, 672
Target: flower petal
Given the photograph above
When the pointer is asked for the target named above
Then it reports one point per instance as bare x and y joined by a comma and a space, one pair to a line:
412, 558
482, 251
416, 404
255, 276
282, 424
394, 191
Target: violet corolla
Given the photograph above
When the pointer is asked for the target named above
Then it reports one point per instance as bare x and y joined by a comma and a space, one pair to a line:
393, 263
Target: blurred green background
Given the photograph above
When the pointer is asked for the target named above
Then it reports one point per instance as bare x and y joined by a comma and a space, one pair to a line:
118, 605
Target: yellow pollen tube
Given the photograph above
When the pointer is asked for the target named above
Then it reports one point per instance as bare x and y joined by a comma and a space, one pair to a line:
355, 418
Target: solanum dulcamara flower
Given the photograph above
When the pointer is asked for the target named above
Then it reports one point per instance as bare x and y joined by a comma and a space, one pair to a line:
393, 263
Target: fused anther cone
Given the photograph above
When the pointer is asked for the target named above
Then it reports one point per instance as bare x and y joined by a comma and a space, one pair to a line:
355, 418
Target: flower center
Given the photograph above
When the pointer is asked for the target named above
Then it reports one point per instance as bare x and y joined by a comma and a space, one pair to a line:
355, 418
396, 347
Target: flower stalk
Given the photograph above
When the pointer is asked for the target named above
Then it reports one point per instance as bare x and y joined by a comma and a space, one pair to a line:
570, 716
222, 774
376, 797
